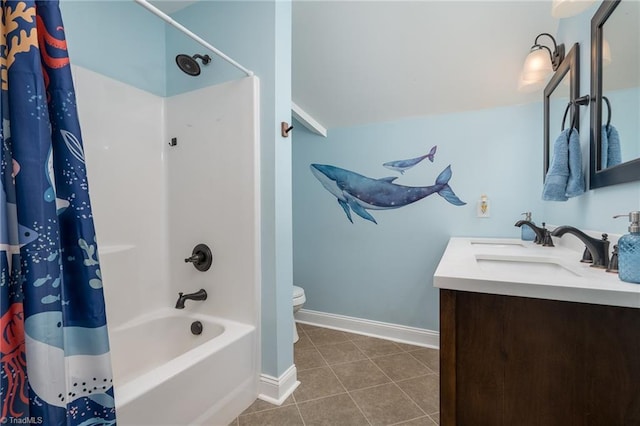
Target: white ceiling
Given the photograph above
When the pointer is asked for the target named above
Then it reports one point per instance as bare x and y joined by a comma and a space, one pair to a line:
360, 62
356, 62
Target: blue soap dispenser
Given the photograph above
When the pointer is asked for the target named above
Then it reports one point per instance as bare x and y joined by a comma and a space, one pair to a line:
629, 250
527, 234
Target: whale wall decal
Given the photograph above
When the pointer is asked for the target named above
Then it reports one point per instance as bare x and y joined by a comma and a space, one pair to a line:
359, 193
404, 165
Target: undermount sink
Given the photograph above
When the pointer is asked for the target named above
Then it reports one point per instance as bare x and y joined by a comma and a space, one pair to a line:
504, 244
523, 265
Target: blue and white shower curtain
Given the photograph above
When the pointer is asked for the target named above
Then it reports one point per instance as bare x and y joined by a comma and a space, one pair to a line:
54, 350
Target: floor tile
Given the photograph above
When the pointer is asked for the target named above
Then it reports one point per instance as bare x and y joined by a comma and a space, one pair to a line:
401, 366
421, 421
425, 391
303, 341
354, 336
351, 380
281, 416
305, 359
317, 383
407, 347
341, 352
386, 404
260, 405
333, 410
307, 327
373, 347
359, 374
429, 357
326, 336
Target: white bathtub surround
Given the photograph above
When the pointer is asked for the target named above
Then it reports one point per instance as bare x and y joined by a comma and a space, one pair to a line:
276, 390
152, 204
383, 330
213, 196
123, 136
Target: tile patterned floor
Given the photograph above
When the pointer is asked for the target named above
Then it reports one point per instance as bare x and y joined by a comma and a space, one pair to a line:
352, 380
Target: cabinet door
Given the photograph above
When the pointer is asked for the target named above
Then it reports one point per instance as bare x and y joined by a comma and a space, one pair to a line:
613, 366
472, 359
544, 370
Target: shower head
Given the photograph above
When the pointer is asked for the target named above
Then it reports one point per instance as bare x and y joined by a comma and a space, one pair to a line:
189, 65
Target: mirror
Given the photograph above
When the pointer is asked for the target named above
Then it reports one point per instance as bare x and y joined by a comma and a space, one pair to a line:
563, 88
615, 94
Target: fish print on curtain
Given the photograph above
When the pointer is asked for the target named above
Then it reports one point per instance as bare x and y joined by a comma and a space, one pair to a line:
54, 350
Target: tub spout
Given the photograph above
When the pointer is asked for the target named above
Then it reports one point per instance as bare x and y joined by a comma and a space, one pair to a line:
599, 249
198, 295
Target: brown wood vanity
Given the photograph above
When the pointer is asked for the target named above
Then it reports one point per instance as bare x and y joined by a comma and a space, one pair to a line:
518, 361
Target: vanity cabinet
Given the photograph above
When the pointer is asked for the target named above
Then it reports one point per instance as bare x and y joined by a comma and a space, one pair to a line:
510, 360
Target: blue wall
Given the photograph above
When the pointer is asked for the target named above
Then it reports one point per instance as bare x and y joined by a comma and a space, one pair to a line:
118, 39
384, 272
218, 22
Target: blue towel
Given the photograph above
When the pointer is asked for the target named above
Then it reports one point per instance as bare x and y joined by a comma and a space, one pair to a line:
565, 177
610, 147
555, 183
575, 183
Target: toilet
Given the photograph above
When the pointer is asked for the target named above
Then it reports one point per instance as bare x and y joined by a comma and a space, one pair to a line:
298, 301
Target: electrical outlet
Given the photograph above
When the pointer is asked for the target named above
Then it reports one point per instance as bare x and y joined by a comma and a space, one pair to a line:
483, 208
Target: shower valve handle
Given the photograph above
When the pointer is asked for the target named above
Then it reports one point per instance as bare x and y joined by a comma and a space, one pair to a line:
196, 258
201, 257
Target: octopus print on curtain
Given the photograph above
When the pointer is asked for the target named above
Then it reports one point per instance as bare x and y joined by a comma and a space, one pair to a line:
54, 349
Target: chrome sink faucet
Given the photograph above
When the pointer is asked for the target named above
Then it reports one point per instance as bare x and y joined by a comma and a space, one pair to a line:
599, 248
198, 295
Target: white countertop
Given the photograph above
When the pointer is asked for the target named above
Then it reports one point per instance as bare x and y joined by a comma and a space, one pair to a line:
492, 265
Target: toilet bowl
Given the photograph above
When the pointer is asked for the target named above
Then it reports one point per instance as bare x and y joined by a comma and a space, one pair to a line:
298, 300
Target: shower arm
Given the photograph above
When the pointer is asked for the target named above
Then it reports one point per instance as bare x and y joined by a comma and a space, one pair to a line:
169, 20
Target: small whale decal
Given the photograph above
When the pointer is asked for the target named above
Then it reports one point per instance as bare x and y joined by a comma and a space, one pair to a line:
404, 165
359, 193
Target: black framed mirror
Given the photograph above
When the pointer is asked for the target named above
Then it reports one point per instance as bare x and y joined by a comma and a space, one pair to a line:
615, 94
562, 89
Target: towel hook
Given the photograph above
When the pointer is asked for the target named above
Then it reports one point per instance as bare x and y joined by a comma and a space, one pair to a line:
564, 117
582, 100
574, 119
606, 100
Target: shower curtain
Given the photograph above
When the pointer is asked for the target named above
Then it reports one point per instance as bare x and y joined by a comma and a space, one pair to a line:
54, 351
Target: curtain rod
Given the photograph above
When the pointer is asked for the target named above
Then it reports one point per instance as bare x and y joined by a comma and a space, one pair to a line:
151, 8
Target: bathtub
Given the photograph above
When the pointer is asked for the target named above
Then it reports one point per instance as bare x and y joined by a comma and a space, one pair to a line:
165, 375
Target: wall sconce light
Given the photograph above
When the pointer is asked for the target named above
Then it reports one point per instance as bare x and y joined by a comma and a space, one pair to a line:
540, 62
566, 8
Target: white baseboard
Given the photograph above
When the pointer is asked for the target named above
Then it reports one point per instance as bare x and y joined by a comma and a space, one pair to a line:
275, 390
398, 333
